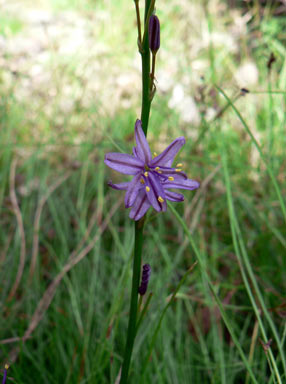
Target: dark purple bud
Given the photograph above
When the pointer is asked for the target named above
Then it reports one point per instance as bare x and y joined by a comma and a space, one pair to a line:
145, 279
154, 33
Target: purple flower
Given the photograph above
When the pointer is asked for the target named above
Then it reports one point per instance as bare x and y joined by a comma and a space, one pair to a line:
152, 178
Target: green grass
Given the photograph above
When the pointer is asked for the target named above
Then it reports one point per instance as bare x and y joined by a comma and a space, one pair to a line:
232, 303
9, 25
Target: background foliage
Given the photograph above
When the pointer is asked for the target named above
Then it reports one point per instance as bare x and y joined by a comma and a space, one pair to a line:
70, 91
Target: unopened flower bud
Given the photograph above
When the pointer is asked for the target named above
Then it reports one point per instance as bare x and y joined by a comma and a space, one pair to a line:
154, 33
145, 279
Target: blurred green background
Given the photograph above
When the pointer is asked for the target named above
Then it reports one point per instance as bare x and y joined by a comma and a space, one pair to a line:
70, 91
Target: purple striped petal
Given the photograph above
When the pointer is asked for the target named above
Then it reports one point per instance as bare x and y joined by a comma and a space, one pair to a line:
155, 191
182, 184
167, 156
171, 172
120, 186
142, 149
5, 374
123, 163
140, 206
134, 151
133, 190
173, 196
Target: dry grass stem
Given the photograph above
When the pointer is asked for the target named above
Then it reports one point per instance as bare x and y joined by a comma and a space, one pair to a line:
200, 192
13, 340
196, 215
20, 224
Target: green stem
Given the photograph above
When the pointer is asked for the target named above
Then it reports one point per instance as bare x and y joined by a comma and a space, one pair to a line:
134, 300
152, 76
145, 112
138, 21
145, 57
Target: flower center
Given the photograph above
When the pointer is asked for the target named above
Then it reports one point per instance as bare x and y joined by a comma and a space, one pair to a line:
146, 167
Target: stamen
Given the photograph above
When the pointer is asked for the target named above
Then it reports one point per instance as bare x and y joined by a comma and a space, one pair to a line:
142, 181
160, 199
171, 178
155, 154
147, 189
159, 171
179, 165
6, 366
178, 169
157, 168
146, 174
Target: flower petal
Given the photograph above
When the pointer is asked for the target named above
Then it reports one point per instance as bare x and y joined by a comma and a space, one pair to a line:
134, 151
140, 206
182, 184
155, 192
167, 156
133, 190
124, 163
173, 196
142, 149
166, 172
120, 186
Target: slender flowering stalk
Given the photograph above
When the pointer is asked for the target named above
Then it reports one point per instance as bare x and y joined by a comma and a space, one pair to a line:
139, 225
138, 23
145, 58
131, 333
145, 279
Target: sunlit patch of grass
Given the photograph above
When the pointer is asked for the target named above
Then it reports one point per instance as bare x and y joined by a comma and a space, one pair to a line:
10, 26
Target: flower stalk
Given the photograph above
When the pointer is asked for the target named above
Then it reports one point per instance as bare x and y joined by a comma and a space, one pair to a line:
138, 24
152, 76
145, 58
138, 225
131, 333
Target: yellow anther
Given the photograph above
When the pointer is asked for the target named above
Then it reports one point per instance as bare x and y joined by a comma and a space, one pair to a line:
147, 189
179, 165
6, 366
155, 154
146, 174
159, 171
160, 199
142, 181
178, 169
157, 168
171, 178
